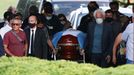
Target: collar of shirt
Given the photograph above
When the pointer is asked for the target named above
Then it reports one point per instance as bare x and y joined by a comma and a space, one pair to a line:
33, 29
31, 38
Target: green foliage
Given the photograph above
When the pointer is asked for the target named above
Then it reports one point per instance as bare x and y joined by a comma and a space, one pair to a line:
121, 70
34, 66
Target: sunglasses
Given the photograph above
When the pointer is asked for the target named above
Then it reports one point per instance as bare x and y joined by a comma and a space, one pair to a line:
15, 24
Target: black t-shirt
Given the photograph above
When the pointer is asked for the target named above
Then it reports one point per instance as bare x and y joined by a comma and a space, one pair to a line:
84, 23
52, 24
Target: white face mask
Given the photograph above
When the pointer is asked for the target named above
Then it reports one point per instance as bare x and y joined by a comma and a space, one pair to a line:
99, 20
63, 22
48, 17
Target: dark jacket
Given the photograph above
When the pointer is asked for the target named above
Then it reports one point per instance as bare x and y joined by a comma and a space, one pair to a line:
116, 28
53, 24
40, 42
84, 23
2, 24
123, 19
107, 39
1, 47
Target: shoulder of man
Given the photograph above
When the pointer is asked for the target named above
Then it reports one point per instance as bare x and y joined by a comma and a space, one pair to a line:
54, 16
123, 16
8, 33
87, 16
41, 29
92, 22
26, 29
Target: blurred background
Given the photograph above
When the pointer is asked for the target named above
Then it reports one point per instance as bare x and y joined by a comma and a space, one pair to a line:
4, 4
23, 5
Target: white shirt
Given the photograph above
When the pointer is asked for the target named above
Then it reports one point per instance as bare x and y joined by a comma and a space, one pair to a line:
71, 32
128, 36
31, 38
4, 30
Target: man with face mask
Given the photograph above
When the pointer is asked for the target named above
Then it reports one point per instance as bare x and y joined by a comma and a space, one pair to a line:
50, 20
38, 39
32, 10
116, 26
99, 40
92, 6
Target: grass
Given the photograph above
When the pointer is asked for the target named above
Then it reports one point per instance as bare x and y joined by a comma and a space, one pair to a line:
4, 4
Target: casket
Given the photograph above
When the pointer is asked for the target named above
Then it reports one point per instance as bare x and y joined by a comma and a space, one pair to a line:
68, 48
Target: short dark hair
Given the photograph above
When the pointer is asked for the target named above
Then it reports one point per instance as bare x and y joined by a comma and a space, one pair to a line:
8, 15
33, 9
114, 3
48, 7
37, 17
109, 11
62, 15
95, 6
47, 4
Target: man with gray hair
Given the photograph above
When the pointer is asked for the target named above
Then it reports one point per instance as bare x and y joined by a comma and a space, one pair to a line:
99, 40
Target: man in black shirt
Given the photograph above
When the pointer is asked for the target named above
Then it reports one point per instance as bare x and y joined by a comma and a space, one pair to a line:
50, 20
92, 6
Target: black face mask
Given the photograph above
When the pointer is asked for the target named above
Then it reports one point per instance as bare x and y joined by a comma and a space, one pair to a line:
109, 19
31, 25
48, 10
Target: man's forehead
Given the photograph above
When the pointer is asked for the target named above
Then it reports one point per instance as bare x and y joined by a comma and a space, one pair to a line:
108, 13
92, 4
16, 21
32, 17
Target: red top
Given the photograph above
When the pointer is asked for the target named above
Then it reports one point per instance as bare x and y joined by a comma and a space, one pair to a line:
13, 44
